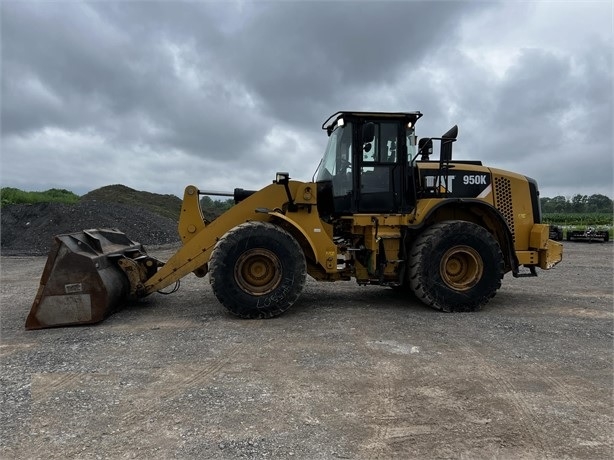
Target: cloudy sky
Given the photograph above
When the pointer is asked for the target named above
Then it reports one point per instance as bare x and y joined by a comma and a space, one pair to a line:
159, 95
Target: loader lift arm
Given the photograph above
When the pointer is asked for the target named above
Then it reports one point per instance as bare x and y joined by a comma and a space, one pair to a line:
89, 274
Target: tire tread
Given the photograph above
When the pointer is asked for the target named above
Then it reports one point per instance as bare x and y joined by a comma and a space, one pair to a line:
421, 253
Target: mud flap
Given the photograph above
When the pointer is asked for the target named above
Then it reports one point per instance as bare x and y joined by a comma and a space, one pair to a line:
82, 282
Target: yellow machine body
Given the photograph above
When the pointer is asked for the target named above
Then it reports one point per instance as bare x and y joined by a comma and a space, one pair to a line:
446, 230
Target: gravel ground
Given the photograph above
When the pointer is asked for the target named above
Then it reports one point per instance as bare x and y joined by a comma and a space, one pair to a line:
348, 372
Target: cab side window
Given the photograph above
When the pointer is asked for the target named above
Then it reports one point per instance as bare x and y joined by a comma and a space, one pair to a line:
383, 148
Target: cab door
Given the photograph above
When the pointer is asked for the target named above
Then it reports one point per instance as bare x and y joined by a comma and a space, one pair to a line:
381, 157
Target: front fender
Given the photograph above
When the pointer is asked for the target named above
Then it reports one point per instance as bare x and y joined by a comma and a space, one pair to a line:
309, 230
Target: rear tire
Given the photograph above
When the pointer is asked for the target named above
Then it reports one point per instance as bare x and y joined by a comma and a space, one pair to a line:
456, 266
257, 270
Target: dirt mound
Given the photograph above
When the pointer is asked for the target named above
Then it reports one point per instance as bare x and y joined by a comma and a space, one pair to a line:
29, 228
165, 205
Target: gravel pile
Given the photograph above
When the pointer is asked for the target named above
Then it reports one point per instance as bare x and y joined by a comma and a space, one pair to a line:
29, 229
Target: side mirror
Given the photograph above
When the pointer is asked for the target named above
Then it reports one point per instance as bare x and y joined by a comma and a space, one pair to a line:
446, 144
368, 132
425, 148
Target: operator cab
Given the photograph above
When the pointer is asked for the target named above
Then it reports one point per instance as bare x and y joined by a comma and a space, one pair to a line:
366, 166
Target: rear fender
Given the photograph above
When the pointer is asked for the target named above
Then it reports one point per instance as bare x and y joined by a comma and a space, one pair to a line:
481, 213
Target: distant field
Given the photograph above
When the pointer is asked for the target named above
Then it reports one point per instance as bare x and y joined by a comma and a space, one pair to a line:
580, 219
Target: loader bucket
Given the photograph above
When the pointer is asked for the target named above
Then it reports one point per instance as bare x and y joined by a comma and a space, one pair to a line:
82, 282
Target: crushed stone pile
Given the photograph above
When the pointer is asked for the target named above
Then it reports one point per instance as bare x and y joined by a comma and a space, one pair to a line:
28, 229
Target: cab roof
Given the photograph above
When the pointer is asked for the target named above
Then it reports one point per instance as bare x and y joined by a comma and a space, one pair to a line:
403, 116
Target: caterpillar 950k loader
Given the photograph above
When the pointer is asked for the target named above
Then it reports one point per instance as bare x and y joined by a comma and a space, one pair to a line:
378, 210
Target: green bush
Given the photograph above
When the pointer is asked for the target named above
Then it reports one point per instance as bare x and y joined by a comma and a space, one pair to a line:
214, 208
10, 195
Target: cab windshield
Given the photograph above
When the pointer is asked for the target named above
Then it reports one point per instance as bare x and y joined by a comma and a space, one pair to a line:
336, 166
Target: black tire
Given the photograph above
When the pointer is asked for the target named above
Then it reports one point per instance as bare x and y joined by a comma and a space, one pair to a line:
456, 266
257, 270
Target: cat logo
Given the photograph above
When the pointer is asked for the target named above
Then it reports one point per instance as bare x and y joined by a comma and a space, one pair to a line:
444, 183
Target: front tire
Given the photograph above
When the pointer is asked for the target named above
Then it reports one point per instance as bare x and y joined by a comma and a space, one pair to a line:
257, 270
456, 266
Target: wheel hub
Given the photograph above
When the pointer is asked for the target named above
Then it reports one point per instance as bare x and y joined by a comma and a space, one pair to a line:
258, 271
461, 267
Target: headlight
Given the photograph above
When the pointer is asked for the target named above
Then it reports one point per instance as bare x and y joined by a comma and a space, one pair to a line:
282, 178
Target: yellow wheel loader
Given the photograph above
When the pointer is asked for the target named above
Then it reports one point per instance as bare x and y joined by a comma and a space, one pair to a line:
378, 210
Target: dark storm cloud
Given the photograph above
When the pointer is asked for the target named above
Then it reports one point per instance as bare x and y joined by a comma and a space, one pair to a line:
240, 89
548, 115
73, 68
76, 65
318, 54
559, 116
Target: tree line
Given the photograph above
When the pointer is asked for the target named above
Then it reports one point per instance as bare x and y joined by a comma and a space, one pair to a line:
577, 204
214, 208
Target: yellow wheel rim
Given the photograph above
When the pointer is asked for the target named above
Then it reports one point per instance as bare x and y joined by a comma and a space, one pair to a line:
258, 271
461, 268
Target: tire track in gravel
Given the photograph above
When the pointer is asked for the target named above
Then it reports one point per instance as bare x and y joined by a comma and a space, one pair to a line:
160, 322
385, 412
556, 386
586, 407
43, 385
167, 390
392, 427
10, 348
562, 389
129, 423
499, 383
